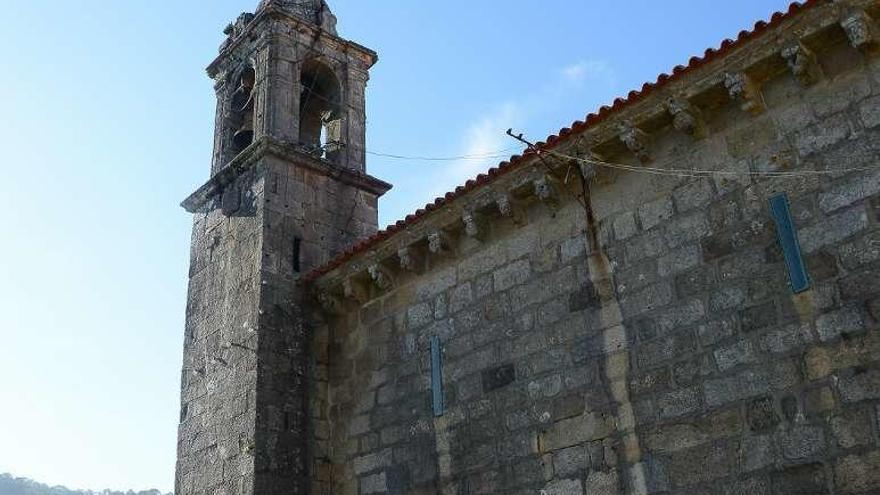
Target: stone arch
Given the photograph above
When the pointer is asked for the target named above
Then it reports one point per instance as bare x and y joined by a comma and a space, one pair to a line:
321, 110
241, 112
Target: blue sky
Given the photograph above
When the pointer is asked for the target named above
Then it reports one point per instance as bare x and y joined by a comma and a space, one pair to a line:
107, 125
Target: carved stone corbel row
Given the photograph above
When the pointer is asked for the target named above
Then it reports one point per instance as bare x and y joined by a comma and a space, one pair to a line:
744, 91
380, 271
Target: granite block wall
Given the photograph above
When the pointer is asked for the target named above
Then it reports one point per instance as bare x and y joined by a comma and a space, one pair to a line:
218, 382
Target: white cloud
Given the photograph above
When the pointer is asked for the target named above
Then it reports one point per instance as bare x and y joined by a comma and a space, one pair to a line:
593, 70
486, 138
482, 142
575, 72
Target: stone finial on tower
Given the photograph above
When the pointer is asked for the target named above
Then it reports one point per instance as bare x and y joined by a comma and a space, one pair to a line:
315, 11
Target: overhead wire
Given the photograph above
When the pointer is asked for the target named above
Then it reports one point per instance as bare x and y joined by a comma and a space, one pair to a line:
538, 151
476, 156
698, 173
311, 92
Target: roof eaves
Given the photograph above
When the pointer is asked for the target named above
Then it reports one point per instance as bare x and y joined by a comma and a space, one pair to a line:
565, 133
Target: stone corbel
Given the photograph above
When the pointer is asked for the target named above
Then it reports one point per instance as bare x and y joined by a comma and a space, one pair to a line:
743, 90
802, 63
407, 258
859, 28
635, 140
329, 302
381, 278
438, 243
472, 226
508, 209
545, 191
354, 290
686, 117
504, 205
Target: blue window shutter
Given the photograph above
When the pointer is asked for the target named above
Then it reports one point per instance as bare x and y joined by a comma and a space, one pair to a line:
788, 241
437, 375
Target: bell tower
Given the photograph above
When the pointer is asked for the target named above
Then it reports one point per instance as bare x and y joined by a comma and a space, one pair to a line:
287, 191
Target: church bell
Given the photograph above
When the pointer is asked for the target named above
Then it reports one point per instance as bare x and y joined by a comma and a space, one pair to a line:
243, 106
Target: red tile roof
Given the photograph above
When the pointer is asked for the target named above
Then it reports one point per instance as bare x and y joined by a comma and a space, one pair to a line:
591, 120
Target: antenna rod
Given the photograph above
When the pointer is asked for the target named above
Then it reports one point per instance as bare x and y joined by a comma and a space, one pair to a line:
519, 137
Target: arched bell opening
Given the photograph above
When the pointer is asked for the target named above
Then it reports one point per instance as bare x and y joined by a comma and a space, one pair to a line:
320, 131
242, 113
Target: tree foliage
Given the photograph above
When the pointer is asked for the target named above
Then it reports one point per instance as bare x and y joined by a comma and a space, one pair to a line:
10, 485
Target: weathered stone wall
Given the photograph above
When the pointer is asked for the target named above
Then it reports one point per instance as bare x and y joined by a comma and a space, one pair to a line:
506, 309
218, 382
654, 346
325, 216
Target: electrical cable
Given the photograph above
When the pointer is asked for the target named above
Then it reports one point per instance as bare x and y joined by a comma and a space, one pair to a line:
697, 173
694, 173
477, 156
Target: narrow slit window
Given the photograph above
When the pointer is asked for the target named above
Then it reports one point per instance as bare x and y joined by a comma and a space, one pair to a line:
437, 376
786, 230
297, 254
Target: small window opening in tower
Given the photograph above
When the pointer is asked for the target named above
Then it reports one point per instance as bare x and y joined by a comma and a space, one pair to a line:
320, 132
297, 255
243, 111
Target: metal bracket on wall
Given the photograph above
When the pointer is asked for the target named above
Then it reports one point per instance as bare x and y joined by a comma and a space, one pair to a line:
788, 241
437, 375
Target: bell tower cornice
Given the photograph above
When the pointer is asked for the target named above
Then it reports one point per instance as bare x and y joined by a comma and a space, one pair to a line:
269, 147
249, 28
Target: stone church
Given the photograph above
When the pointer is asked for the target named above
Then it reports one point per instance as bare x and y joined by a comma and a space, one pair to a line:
678, 294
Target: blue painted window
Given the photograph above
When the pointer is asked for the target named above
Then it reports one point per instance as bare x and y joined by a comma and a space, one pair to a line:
788, 241
437, 375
